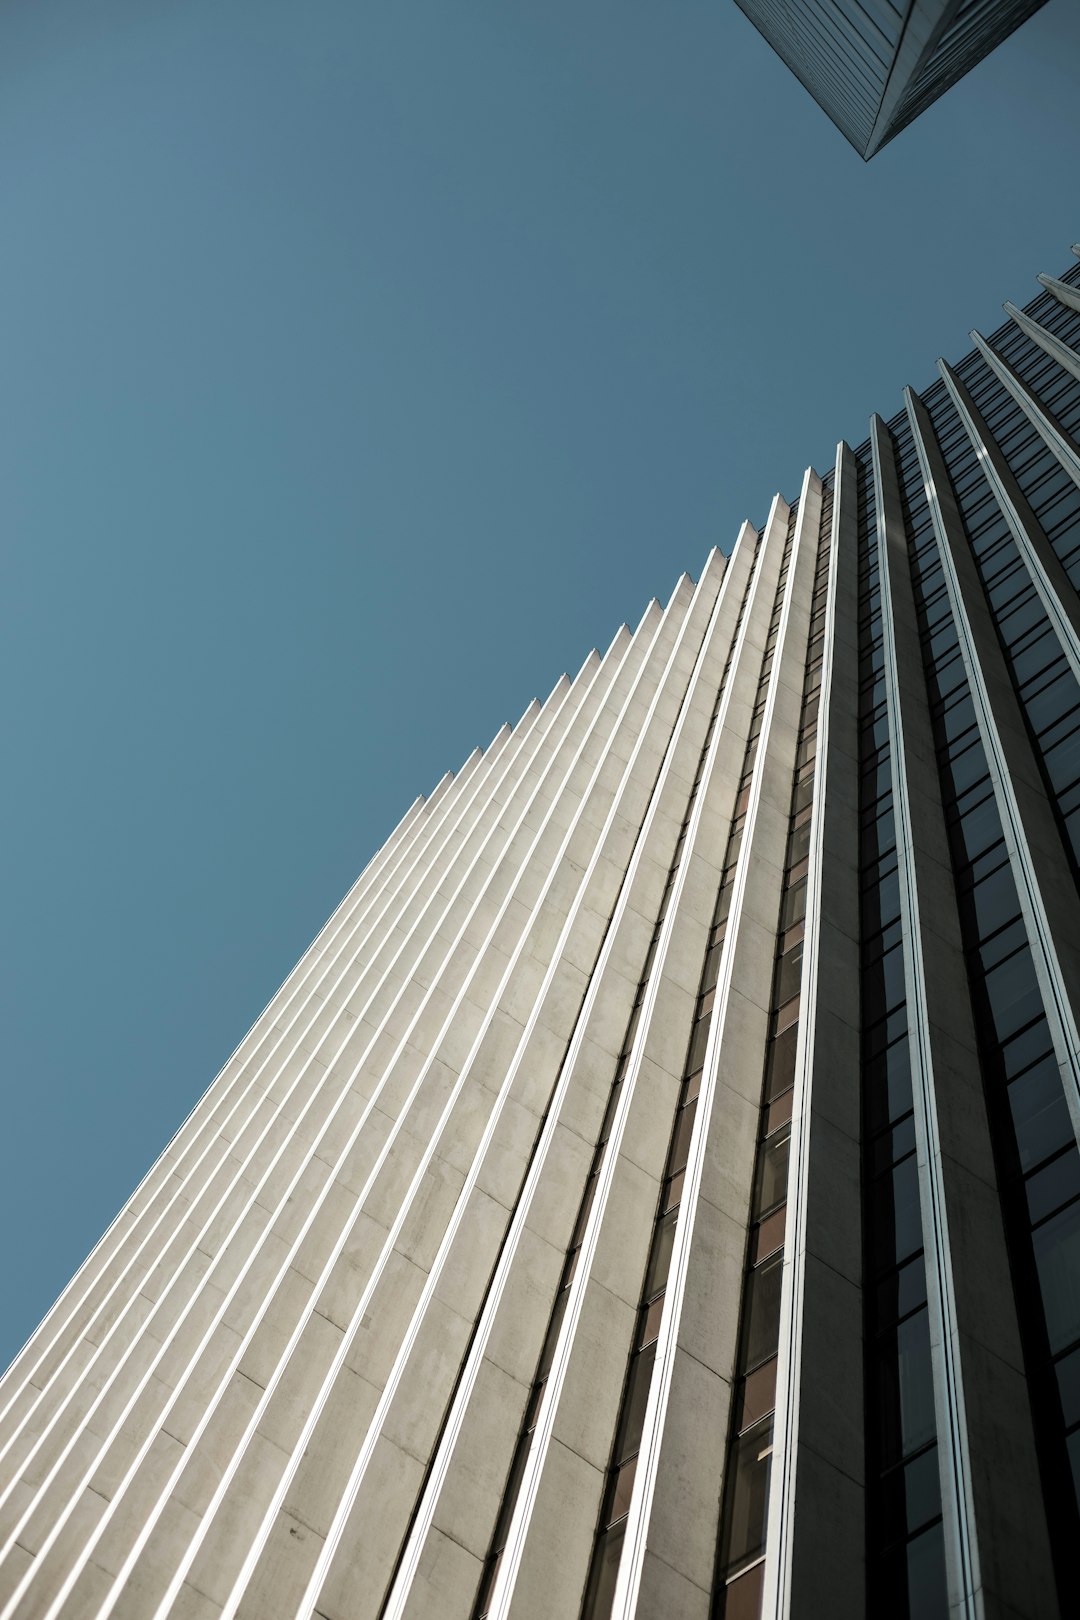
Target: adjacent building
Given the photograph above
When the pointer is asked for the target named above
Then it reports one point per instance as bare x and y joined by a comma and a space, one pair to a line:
656, 1190
875, 65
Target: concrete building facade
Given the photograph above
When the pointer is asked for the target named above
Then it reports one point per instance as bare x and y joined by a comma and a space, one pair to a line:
656, 1190
875, 65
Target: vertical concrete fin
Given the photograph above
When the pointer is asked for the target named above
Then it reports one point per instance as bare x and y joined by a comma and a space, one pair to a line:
816, 1531
690, 1382
715, 566
295, 1029
967, 1261
684, 590
1062, 291
1054, 588
652, 613
529, 713
747, 537
584, 716
1050, 912
538, 1504
1067, 358
917, 839
622, 635
1049, 431
441, 787
567, 882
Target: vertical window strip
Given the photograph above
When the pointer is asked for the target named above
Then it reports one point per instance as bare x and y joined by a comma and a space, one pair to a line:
1035, 1150
1030, 362
1050, 492
1062, 322
905, 1544
532, 1409
615, 1505
1045, 686
1057, 308
1055, 389
744, 1508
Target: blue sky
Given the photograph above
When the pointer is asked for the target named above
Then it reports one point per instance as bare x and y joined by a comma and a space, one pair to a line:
364, 366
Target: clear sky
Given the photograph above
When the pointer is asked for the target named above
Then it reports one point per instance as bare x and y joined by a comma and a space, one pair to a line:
364, 365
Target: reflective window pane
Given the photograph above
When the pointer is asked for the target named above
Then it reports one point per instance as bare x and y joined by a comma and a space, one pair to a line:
897, 1221
772, 1172
902, 1291
1057, 1183
914, 1577
887, 1085
1068, 1377
911, 1496
748, 1501
905, 1389
1057, 1255
789, 975
1040, 1113
761, 1312
605, 1572
683, 1135
1012, 993
660, 1256
757, 1397
628, 1441
780, 1063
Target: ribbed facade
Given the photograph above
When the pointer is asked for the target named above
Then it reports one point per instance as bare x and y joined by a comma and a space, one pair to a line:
656, 1191
875, 65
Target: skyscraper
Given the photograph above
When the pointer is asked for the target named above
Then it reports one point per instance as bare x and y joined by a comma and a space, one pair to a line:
656, 1190
873, 65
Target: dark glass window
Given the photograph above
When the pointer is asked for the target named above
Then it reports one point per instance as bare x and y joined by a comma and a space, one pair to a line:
1068, 1377
915, 1579
698, 1041
635, 1401
794, 905
980, 826
780, 1065
684, 1131
789, 974
749, 1498
902, 1291
761, 1312
906, 1389
772, 1172
883, 984
897, 1220
1024, 1048
1057, 1183
600, 1594
893, 1145
911, 1496
1012, 994
887, 1081
1040, 1113
1057, 1255
994, 901
660, 1256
